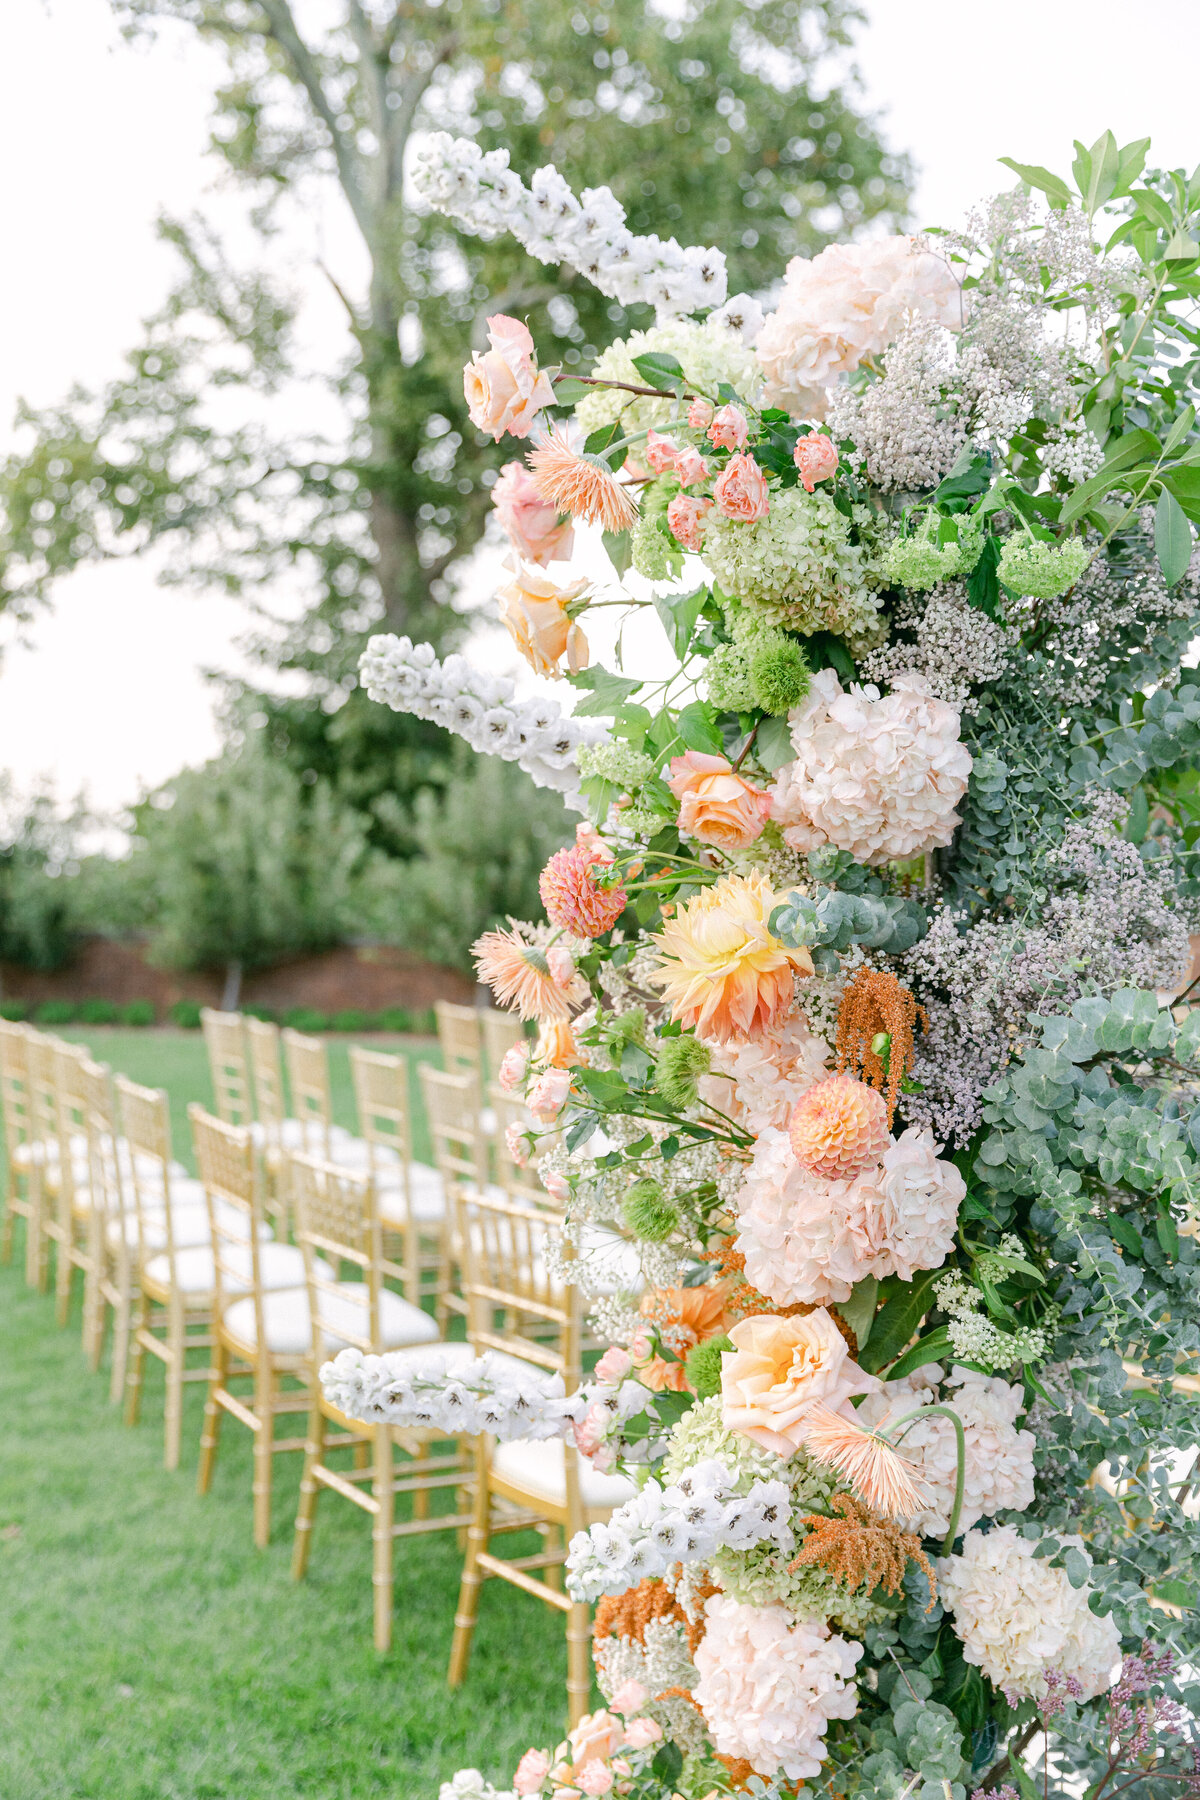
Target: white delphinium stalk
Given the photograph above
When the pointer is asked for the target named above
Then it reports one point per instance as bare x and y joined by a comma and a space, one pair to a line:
453, 176
480, 707
436, 1389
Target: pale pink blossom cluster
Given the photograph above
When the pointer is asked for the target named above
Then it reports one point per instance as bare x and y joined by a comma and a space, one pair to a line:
848, 303
879, 777
768, 1688
808, 1239
758, 1081
999, 1457
533, 528
1018, 1617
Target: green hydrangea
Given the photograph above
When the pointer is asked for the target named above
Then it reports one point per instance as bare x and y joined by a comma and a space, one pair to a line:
615, 761
918, 563
708, 354
650, 552
681, 1062
1041, 570
727, 679
801, 567
761, 1575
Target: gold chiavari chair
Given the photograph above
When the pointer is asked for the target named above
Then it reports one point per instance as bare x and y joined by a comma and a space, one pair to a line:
308, 1081
500, 1032
460, 1039
338, 1219
111, 1284
74, 1198
58, 1225
225, 1041
270, 1108
460, 1158
259, 1311
25, 1191
516, 1309
412, 1200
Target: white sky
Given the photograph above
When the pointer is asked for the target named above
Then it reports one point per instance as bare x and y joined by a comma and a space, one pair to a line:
106, 689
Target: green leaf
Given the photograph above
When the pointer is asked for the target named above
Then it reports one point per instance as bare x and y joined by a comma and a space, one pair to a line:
698, 729
569, 390
658, 370
859, 1310
1176, 1593
1053, 186
1096, 171
1138, 822
1131, 160
931, 1348
900, 1318
1179, 429
1125, 1234
1166, 1233
668, 1763
604, 692
1172, 538
619, 550
679, 613
602, 437
773, 746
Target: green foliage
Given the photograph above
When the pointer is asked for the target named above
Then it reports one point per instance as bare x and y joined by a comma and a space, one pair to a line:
702, 1366
37, 848
186, 1014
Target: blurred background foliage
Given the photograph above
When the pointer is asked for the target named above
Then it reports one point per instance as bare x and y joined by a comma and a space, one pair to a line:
724, 122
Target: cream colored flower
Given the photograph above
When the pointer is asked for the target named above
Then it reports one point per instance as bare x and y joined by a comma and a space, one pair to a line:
504, 389
779, 1370
533, 609
722, 972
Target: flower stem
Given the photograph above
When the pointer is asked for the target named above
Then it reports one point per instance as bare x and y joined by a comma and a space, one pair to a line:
927, 1412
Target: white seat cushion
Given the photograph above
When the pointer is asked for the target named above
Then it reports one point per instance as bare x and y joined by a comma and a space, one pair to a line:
288, 1322
540, 1469
190, 1226
280, 1265
427, 1196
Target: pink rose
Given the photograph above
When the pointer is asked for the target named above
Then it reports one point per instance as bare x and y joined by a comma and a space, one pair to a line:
589, 1432
690, 466
534, 529
517, 1144
741, 490
557, 1186
729, 429
513, 1065
597, 1735
779, 1370
816, 458
717, 805
685, 516
561, 963
532, 1771
612, 1369
594, 1778
629, 1698
660, 452
548, 1095
699, 413
640, 1732
640, 1347
504, 389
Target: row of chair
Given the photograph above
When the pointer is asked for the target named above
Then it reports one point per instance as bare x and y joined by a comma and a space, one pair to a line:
206, 1268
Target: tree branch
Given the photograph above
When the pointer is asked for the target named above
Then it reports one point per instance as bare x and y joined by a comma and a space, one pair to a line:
992, 1779
284, 30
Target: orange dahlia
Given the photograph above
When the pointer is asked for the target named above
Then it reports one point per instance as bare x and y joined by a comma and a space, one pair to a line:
840, 1128
722, 972
572, 898
580, 486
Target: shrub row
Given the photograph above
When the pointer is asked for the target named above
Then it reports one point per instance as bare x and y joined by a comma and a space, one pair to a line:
186, 1013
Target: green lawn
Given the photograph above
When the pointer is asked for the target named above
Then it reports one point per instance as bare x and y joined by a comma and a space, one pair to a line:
149, 1652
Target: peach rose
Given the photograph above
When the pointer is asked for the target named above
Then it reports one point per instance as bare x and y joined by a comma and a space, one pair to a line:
517, 1144
504, 389
532, 1771
534, 611
512, 1069
699, 413
534, 529
685, 517
779, 1370
548, 1095
816, 458
612, 1369
690, 466
640, 1732
741, 490
597, 1735
716, 805
660, 452
729, 429
557, 1047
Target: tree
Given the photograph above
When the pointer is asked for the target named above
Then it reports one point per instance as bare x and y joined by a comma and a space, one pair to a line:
710, 119
37, 857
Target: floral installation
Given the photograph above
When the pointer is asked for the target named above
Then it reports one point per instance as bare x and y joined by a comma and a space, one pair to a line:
866, 1079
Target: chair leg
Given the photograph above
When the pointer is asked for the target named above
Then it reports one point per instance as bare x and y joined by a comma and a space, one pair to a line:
36, 1268
264, 1407
381, 1536
173, 1410
310, 1489
122, 1328
478, 1533
137, 1364
93, 1305
62, 1274
579, 1663
210, 1431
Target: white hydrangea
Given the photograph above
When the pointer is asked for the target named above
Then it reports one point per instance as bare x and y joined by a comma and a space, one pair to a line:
1017, 1616
877, 777
454, 176
759, 1080
768, 1688
437, 1389
999, 1457
808, 1239
708, 354
480, 707
688, 1521
798, 566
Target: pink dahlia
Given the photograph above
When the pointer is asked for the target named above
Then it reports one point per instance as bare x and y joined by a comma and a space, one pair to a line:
840, 1128
572, 897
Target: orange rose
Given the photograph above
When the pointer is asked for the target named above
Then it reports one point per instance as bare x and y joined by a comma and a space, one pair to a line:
715, 804
779, 1370
534, 612
556, 1046
504, 389
741, 491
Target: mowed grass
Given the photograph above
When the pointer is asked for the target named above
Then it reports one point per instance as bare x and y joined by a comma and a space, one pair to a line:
149, 1652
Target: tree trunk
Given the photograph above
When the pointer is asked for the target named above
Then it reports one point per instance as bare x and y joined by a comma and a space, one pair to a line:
232, 993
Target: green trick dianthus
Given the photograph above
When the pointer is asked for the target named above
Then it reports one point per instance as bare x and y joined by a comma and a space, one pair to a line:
647, 1211
702, 1367
780, 675
681, 1062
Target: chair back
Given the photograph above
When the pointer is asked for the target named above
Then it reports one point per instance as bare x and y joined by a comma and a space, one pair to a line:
146, 1127
500, 1032
262, 1045
460, 1038
225, 1041
229, 1170
381, 1099
308, 1080
452, 1113
337, 1222
108, 1174
42, 1064
509, 1245
71, 1109
16, 1100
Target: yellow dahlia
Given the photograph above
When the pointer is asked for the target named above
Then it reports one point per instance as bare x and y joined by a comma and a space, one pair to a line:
721, 971
839, 1129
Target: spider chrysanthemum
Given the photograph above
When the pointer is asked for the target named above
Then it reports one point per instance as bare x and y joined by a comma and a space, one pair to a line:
519, 975
878, 1474
577, 485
